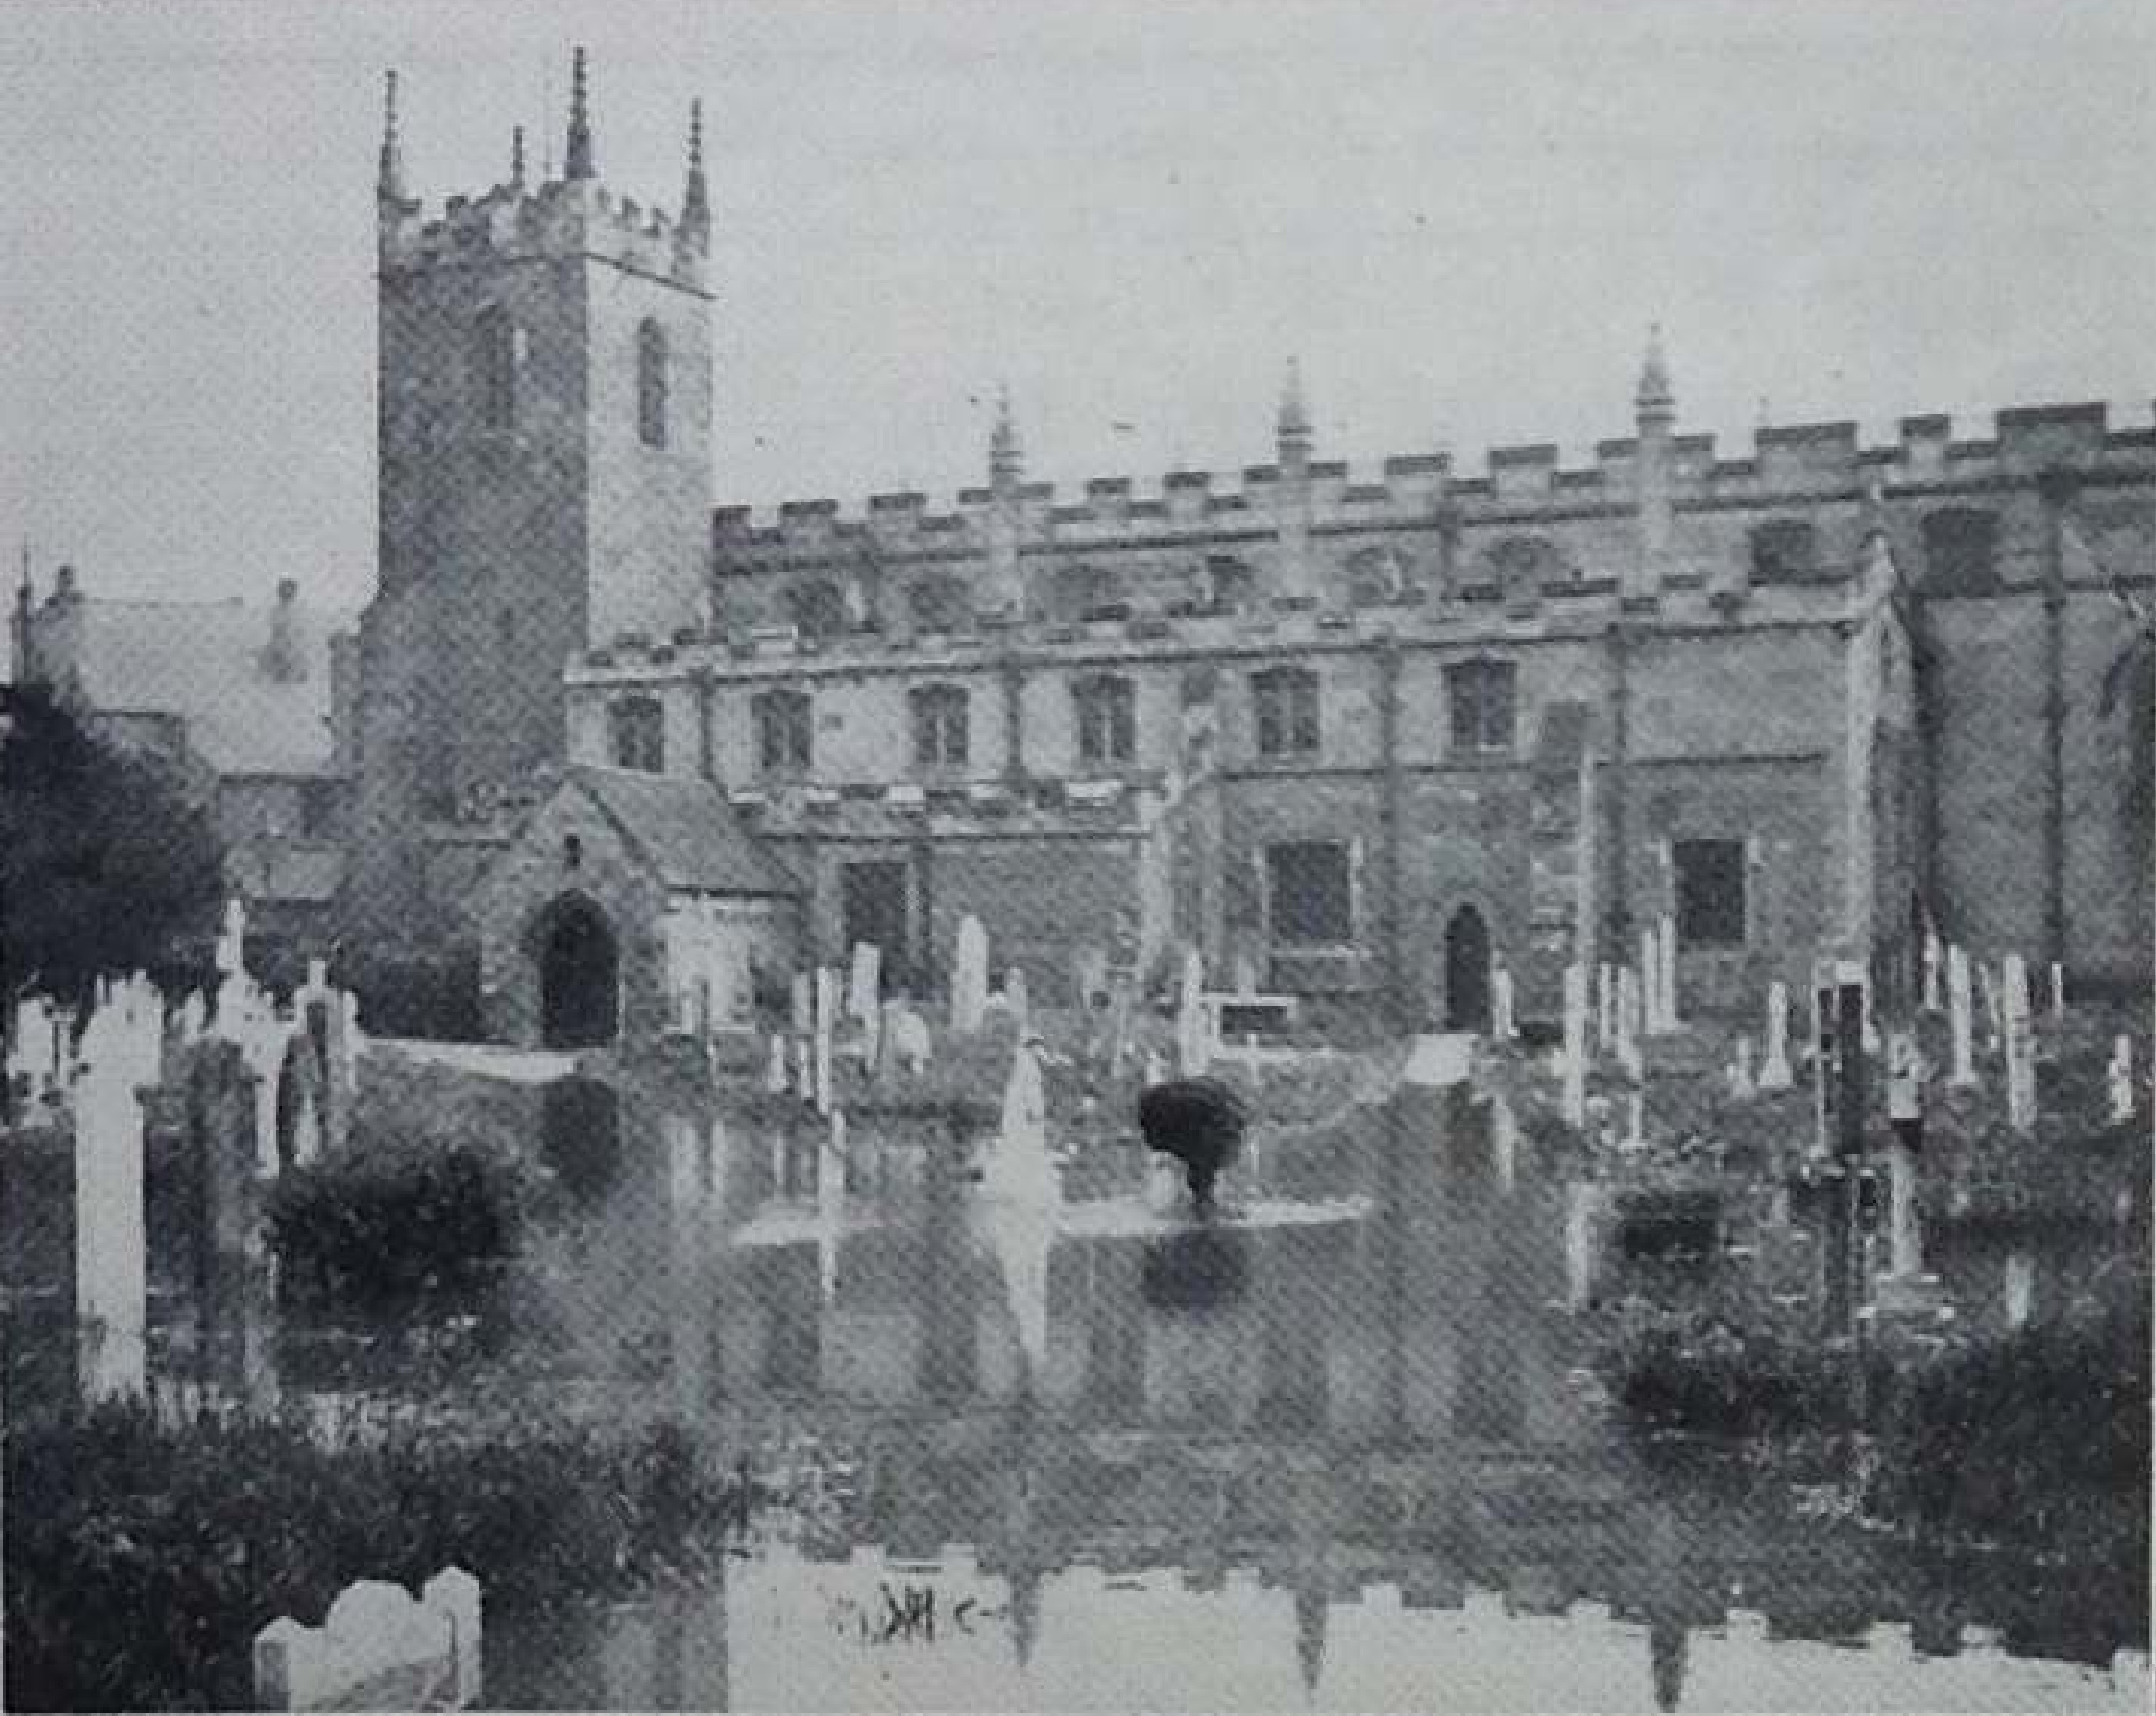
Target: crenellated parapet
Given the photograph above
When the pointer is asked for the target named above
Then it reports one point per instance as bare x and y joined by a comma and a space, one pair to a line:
1785, 463
561, 218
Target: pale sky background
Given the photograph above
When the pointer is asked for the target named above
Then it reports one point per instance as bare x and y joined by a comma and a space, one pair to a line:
1462, 217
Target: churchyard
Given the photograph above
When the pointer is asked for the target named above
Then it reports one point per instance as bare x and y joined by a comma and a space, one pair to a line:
242, 1228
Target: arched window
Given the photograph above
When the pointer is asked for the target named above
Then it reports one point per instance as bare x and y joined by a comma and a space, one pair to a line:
651, 381
1284, 702
1106, 706
494, 342
940, 725
938, 602
637, 730
1961, 551
785, 731
817, 609
1783, 550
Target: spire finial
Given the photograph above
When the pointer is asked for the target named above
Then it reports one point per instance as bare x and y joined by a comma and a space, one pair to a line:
579, 164
516, 155
1655, 395
1006, 464
696, 200
389, 177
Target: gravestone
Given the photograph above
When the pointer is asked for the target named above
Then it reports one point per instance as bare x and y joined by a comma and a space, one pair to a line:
1905, 1121
1502, 1026
1666, 982
2119, 1079
1629, 1022
1775, 1071
1741, 1082
774, 1070
1016, 999
831, 1204
1193, 1049
1575, 1044
2020, 1045
803, 997
2018, 1289
1649, 977
1963, 1073
911, 1045
969, 976
865, 984
2058, 992
120, 1056
378, 1648
826, 1020
1932, 960
1605, 1007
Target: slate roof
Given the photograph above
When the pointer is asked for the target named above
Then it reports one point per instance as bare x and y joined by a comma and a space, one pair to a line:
202, 662
686, 830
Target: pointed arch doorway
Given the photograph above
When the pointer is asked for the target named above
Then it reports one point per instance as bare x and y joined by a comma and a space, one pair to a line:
579, 974
1466, 971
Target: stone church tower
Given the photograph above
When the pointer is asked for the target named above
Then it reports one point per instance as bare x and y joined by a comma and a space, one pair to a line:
545, 415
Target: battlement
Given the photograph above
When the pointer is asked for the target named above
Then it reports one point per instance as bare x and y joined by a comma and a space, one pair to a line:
1791, 461
562, 218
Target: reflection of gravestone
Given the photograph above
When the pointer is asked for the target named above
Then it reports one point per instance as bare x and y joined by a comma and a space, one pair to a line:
580, 1138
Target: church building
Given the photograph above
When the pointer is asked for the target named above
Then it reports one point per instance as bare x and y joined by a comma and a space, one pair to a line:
1364, 734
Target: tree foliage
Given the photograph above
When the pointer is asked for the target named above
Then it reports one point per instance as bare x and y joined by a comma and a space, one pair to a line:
106, 866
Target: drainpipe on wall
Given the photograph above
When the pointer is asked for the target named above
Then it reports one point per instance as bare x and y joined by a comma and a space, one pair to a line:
1619, 919
1388, 740
2057, 489
706, 762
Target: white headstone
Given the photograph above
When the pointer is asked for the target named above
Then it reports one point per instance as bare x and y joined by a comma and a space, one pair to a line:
911, 1045
1960, 1025
1666, 950
1905, 1099
827, 1019
232, 944
1933, 956
2058, 991
969, 976
1016, 998
1579, 1201
774, 1070
831, 1204
1649, 981
1775, 1071
1020, 1192
1502, 1026
2120, 1079
1575, 1044
121, 1051
1629, 1004
863, 997
1193, 1047
1635, 1109
2020, 1046
1605, 1007
2019, 1289
1741, 1082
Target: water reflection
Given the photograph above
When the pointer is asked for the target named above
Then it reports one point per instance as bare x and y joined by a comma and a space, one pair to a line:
1323, 1450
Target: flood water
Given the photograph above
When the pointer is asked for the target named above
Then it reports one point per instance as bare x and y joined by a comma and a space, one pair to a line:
1337, 1450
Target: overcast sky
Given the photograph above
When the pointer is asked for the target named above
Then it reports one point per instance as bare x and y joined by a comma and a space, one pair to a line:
1462, 217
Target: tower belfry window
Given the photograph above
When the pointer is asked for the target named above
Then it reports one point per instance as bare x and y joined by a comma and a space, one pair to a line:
494, 344
651, 381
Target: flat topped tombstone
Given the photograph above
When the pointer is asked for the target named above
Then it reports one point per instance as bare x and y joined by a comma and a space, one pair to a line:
911, 1045
1741, 1082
